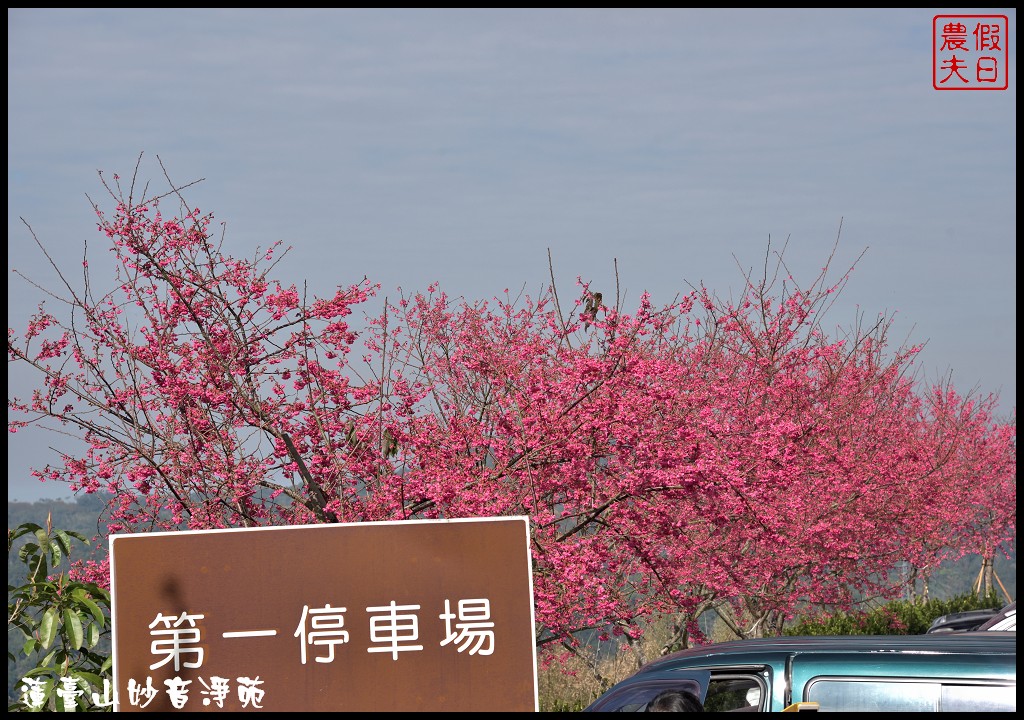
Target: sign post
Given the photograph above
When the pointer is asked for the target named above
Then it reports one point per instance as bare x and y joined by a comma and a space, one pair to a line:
419, 615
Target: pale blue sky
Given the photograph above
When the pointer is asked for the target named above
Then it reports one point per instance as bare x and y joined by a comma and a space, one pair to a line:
460, 145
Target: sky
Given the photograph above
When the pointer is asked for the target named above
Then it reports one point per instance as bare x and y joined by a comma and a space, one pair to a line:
464, 146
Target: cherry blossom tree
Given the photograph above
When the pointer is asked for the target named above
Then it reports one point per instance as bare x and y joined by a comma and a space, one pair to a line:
205, 391
704, 454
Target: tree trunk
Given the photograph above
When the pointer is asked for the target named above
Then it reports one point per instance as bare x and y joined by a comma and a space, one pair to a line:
985, 582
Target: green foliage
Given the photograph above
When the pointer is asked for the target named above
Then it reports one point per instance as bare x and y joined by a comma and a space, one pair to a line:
557, 705
900, 617
62, 624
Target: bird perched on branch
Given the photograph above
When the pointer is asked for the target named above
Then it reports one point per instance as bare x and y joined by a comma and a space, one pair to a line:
389, 445
591, 308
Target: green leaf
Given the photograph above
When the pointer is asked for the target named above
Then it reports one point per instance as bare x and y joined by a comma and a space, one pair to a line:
93, 609
29, 647
17, 532
27, 528
43, 538
76, 535
92, 635
91, 679
47, 661
73, 628
25, 623
27, 549
56, 551
48, 628
63, 537
40, 670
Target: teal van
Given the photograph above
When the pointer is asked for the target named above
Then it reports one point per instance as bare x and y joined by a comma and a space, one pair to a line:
951, 672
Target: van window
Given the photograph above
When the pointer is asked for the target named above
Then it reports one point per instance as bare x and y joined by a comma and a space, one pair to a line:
732, 693
978, 698
836, 695
868, 696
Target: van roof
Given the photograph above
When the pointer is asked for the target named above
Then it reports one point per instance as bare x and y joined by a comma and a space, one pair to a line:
944, 643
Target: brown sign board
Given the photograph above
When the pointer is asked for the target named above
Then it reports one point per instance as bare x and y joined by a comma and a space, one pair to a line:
419, 615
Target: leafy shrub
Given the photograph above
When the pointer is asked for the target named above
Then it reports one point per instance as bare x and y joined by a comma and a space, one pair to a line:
64, 623
899, 617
